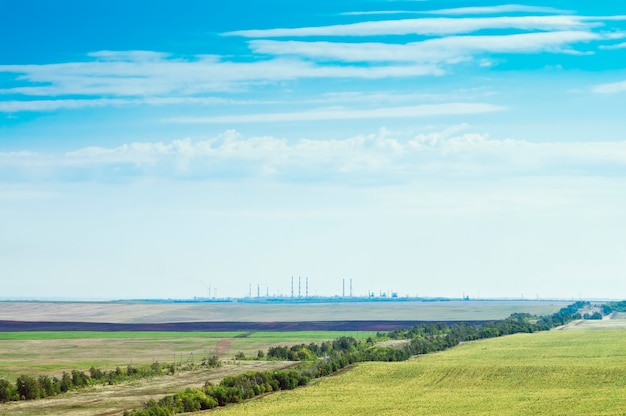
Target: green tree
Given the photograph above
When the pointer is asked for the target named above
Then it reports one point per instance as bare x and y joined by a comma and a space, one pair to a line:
28, 387
66, 382
79, 379
47, 386
96, 373
7, 391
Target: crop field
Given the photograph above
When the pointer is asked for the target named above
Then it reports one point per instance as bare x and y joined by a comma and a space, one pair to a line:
51, 353
547, 373
36, 353
137, 313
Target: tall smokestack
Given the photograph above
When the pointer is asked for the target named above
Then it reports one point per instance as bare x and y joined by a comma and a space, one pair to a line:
292, 286
299, 287
343, 288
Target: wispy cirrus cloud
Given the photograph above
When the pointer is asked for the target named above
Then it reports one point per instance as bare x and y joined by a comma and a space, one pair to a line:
58, 104
138, 74
610, 88
437, 51
127, 78
380, 12
504, 8
615, 46
434, 26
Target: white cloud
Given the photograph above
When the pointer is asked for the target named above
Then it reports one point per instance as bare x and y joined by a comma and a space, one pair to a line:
153, 74
52, 104
435, 51
616, 46
130, 56
431, 26
610, 88
380, 158
425, 110
380, 12
505, 8
121, 78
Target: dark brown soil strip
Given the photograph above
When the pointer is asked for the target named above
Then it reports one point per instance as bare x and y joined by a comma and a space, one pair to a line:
19, 326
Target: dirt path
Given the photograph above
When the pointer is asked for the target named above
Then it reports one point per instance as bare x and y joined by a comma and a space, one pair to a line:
113, 400
611, 321
223, 347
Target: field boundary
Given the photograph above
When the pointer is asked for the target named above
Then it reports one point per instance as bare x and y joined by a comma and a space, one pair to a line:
54, 326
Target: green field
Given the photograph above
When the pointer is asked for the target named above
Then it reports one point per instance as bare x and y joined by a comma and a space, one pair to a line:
51, 353
548, 373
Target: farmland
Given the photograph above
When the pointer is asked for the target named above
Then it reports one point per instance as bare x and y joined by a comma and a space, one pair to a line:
47, 352
36, 353
147, 312
548, 373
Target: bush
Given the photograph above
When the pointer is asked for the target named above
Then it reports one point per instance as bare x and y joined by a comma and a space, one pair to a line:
7, 391
28, 388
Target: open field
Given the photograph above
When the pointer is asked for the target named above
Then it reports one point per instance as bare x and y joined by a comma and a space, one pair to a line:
547, 373
127, 312
113, 400
594, 325
51, 353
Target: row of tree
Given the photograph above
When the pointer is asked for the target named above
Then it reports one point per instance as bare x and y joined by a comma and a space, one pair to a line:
32, 388
319, 360
232, 389
322, 359
611, 307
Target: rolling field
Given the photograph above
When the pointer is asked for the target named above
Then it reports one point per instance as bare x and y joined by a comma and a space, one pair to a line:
51, 353
547, 373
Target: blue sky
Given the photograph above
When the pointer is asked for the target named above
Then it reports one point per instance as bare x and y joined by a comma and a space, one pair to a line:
436, 148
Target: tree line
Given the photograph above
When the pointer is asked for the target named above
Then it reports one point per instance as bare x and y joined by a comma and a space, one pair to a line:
322, 359
317, 360
31, 388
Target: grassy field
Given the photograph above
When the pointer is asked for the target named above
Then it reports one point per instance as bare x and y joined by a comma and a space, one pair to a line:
113, 400
548, 373
36, 353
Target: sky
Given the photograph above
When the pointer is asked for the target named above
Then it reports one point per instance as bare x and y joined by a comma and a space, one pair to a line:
430, 148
